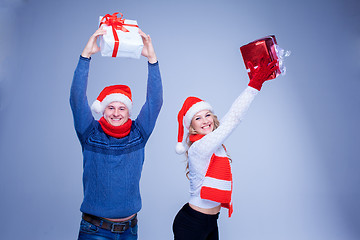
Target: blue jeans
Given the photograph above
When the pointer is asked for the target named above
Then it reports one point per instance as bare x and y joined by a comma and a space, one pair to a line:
89, 231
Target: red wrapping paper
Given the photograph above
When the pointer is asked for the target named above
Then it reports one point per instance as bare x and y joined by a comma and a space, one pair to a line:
261, 48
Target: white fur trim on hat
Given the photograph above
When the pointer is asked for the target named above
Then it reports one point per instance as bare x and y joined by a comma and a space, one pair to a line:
99, 107
197, 107
96, 106
180, 148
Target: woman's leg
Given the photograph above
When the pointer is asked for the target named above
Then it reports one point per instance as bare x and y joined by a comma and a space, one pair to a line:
190, 224
214, 234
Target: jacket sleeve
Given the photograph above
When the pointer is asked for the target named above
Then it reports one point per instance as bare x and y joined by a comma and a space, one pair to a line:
154, 100
78, 100
206, 146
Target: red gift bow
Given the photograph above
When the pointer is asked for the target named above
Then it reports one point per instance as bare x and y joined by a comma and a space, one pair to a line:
116, 24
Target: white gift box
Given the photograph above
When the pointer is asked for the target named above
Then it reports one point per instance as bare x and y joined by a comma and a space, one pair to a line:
130, 43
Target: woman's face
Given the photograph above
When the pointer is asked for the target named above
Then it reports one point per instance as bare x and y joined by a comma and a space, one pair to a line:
203, 122
116, 113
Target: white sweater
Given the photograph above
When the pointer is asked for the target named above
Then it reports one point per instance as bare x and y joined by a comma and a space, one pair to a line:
200, 152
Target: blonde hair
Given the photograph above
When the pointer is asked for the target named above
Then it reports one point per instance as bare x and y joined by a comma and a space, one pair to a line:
189, 143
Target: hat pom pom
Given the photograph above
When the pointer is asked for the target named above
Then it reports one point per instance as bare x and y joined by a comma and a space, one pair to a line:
96, 106
180, 148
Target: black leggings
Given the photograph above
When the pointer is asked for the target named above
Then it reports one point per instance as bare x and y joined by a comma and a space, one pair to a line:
190, 224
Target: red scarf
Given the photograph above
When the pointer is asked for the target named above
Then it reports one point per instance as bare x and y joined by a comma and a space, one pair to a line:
217, 184
116, 131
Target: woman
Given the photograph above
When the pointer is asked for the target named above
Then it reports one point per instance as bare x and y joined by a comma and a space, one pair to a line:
113, 147
209, 170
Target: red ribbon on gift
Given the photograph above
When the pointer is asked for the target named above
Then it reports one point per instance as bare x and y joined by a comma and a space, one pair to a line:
116, 24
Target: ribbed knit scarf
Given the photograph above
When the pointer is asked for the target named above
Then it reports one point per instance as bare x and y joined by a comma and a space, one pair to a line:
217, 185
115, 131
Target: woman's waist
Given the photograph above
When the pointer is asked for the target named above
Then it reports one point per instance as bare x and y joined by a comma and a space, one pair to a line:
207, 211
204, 205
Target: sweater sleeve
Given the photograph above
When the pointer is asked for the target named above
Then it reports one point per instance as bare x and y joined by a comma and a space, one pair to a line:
206, 146
78, 100
154, 99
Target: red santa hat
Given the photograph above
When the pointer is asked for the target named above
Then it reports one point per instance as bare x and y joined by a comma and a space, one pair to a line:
114, 93
191, 106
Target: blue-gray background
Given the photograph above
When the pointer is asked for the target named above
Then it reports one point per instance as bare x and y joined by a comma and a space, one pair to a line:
295, 156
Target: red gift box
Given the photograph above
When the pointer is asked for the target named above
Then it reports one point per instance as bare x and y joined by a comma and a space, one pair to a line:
261, 48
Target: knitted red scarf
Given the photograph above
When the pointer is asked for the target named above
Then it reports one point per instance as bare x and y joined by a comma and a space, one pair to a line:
217, 184
115, 131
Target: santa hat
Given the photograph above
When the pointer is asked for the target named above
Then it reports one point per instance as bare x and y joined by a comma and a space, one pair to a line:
114, 93
191, 106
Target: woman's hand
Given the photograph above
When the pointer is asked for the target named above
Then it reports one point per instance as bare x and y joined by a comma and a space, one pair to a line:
262, 73
91, 46
148, 49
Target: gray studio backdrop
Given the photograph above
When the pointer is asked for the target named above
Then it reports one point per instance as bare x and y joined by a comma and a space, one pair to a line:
295, 156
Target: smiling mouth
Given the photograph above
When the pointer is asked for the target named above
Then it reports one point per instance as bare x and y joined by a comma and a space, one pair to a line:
206, 127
